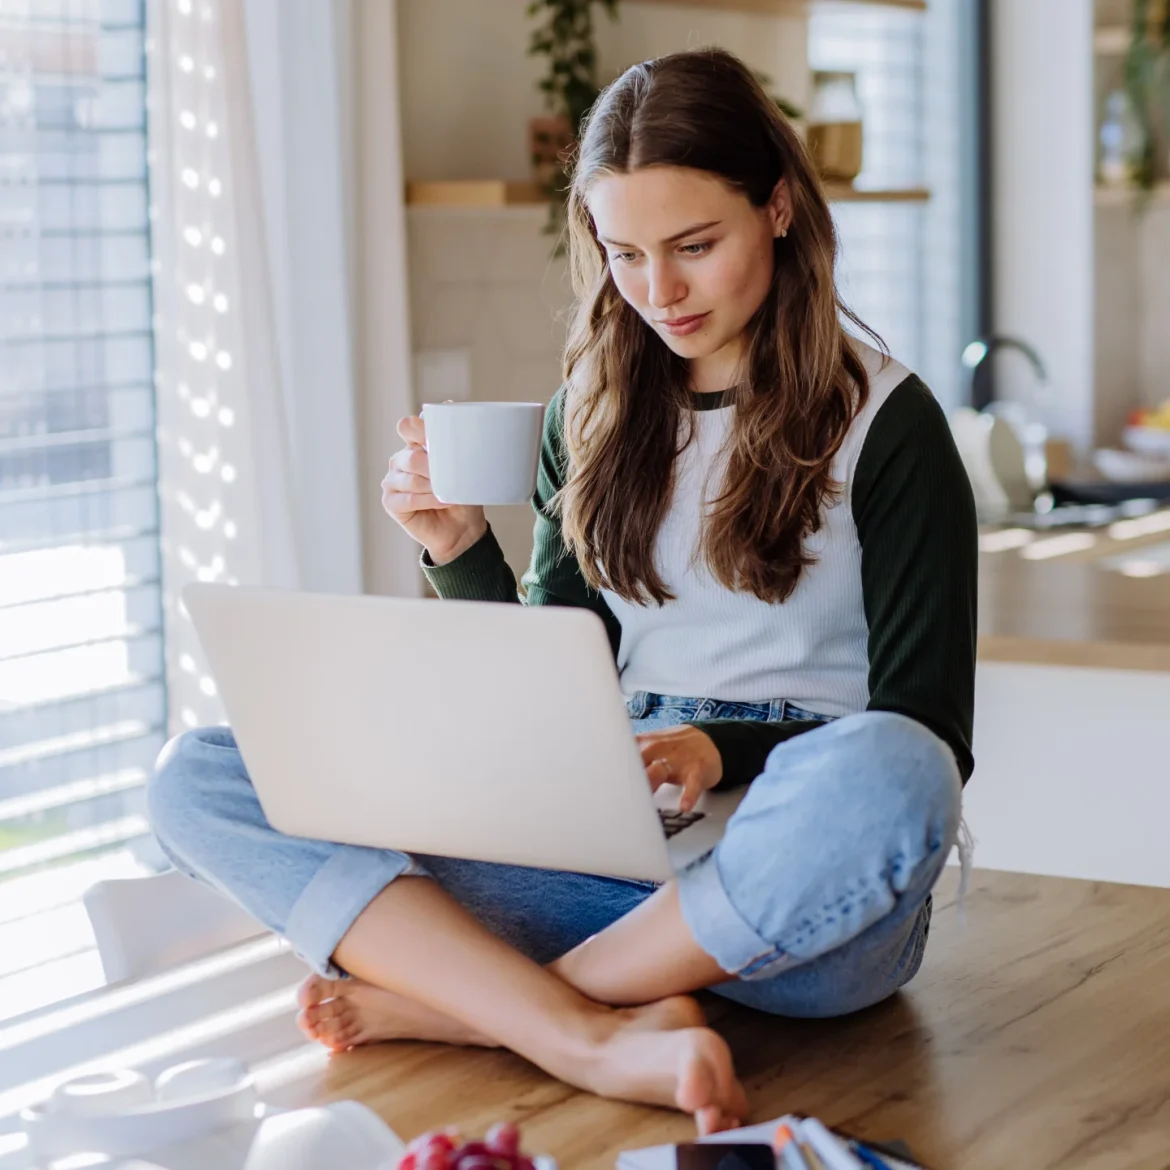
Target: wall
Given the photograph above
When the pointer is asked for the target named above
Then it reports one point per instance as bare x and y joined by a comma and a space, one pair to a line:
1131, 308
1155, 304
469, 87
1043, 227
485, 281
1117, 323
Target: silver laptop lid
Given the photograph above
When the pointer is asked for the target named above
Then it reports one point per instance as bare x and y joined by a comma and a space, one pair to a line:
470, 729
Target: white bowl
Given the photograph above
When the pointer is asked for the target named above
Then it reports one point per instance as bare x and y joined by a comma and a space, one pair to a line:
199, 1078
101, 1093
142, 1128
344, 1134
1130, 467
1153, 441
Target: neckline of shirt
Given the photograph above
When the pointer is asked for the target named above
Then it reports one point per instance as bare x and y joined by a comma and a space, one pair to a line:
713, 400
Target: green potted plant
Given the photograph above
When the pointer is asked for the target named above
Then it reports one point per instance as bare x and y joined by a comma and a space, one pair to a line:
570, 87
1147, 79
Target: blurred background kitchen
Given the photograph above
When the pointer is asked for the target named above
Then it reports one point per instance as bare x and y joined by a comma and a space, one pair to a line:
240, 238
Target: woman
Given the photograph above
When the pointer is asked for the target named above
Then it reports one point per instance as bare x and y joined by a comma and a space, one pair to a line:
770, 516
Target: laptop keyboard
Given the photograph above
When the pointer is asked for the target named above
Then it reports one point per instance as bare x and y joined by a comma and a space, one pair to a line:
673, 821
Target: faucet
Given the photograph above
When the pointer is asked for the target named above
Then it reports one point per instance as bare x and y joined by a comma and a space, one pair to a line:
979, 350
1021, 465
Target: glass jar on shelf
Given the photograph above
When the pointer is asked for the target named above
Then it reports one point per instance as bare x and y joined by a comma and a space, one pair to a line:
834, 126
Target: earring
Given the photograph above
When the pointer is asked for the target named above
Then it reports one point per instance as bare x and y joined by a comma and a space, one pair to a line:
783, 233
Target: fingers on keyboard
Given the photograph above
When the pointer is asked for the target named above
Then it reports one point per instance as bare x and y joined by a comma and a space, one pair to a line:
674, 822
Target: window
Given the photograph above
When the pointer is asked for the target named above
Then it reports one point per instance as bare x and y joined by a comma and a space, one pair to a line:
901, 265
82, 698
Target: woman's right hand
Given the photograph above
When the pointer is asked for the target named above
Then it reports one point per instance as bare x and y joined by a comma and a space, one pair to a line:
445, 530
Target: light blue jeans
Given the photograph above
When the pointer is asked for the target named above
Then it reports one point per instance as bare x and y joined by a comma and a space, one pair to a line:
817, 899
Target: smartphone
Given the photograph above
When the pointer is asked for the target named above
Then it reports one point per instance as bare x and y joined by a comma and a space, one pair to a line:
725, 1156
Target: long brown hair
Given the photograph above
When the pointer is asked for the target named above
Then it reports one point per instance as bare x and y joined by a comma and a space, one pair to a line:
626, 392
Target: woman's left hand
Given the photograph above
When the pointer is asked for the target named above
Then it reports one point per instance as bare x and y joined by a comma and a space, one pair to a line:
681, 755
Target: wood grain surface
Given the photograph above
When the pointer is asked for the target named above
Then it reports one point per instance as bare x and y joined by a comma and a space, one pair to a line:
1035, 1037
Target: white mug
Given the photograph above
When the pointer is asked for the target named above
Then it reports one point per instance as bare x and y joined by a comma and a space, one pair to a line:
483, 452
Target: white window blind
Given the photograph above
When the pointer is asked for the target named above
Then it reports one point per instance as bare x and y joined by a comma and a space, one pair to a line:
82, 698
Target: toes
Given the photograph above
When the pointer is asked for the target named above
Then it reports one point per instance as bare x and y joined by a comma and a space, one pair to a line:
349, 1037
332, 1027
707, 1086
697, 1089
330, 1016
309, 991
739, 1103
710, 1120
316, 989
717, 1119
733, 1096
307, 1024
331, 1023
315, 1016
334, 1033
333, 1009
328, 1013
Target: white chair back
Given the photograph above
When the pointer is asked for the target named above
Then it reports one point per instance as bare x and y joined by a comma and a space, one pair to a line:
144, 925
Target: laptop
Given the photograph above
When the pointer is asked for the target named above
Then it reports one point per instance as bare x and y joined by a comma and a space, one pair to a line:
459, 728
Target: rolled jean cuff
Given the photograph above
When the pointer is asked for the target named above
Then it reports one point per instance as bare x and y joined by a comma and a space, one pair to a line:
338, 892
719, 928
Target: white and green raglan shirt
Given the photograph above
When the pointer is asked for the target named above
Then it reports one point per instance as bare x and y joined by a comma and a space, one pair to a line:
884, 619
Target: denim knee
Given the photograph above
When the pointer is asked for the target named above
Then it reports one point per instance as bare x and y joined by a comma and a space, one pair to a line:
910, 778
846, 826
911, 769
177, 795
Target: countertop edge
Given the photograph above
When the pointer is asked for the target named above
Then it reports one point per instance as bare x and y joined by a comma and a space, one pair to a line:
1104, 655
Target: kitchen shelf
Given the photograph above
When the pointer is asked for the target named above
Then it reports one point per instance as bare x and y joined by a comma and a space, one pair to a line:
473, 193
519, 193
844, 193
784, 7
1126, 196
1111, 40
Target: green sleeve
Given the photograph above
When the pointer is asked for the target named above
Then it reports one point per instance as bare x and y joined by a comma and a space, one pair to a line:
553, 576
915, 518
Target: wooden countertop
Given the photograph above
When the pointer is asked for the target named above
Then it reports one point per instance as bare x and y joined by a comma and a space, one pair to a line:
1072, 610
1033, 1038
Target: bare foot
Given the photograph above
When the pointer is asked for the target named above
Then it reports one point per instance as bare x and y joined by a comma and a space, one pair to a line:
343, 1013
690, 1069
660, 1054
